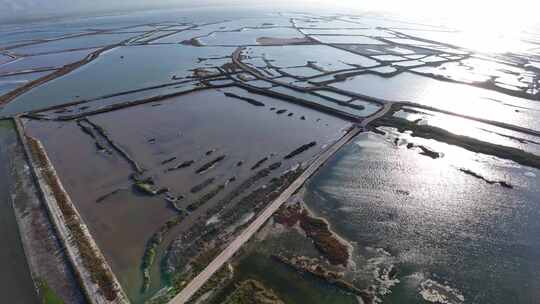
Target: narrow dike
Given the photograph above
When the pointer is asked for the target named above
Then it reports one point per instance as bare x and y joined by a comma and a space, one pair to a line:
95, 275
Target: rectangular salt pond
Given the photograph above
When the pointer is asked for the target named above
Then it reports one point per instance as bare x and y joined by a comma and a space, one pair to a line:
363, 32
334, 95
409, 63
119, 70
10, 83
248, 36
56, 60
28, 35
352, 111
301, 72
326, 24
251, 24
347, 40
453, 97
412, 42
387, 69
87, 108
186, 127
323, 56
83, 42
389, 57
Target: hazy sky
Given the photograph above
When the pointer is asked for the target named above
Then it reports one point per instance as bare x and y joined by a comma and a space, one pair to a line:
503, 12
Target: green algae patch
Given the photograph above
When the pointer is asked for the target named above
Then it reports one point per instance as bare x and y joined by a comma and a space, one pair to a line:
151, 248
47, 295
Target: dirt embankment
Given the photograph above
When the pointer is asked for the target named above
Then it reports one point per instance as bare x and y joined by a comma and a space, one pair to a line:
92, 261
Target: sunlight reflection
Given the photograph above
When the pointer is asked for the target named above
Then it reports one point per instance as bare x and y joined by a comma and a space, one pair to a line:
493, 27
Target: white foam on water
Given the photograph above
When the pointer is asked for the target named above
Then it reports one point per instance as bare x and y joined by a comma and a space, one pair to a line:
529, 174
214, 219
380, 266
367, 140
435, 292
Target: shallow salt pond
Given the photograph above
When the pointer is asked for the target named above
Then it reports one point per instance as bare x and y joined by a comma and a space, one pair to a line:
327, 23
326, 57
333, 95
301, 72
27, 35
185, 127
351, 111
56, 60
347, 40
457, 98
87, 41
10, 83
363, 32
118, 70
248, 36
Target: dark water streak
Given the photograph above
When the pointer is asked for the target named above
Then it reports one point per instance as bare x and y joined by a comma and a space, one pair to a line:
15, 281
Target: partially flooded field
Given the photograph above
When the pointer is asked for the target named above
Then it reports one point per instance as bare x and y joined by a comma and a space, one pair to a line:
188, 145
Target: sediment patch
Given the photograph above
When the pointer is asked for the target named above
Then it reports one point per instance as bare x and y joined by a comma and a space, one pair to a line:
425, 150
105, 196
181, 165
209, 165
300, 150
205, 198
201, 186
491, 182
168, 160
259, 163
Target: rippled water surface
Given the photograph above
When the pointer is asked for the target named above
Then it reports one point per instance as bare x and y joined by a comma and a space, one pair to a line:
446, 232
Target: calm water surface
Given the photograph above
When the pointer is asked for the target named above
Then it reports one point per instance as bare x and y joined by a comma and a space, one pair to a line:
17, 285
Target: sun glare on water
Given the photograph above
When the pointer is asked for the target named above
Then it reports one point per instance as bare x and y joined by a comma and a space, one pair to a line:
485, 26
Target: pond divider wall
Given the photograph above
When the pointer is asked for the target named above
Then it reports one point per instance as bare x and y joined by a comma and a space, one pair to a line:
72, 232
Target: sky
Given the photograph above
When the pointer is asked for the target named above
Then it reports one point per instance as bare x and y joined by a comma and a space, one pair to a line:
477, 12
